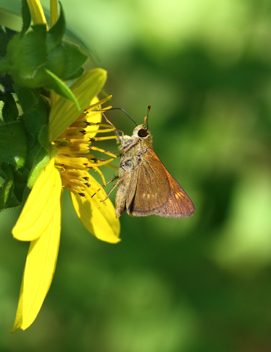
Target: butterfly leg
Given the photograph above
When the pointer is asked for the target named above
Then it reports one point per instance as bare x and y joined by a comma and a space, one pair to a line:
113, 179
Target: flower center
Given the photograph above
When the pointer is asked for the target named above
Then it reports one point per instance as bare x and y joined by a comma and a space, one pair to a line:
74, 147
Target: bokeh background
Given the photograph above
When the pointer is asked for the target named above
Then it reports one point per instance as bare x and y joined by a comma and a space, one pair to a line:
201, 284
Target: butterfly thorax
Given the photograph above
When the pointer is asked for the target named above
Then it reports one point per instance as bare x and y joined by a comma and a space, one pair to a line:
134, 148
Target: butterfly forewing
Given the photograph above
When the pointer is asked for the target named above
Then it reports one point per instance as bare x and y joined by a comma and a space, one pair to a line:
163, 196
149, 173
179, 205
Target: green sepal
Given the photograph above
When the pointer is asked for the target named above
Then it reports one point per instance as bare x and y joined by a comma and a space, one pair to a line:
13, 145
26, 56
39, 58
56, 33
60, 88
5, 35
42, 157
41, 160
43, 138
35, 108
74, 76
10, 110
28, 60
25, 194
36, 118
65, 60
26, 16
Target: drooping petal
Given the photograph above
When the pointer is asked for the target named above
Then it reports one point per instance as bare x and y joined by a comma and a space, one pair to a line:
37, 13
65, 112
98, 217
38, 273
40, 206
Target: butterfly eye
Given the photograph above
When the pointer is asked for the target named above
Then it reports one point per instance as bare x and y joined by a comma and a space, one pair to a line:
142, 133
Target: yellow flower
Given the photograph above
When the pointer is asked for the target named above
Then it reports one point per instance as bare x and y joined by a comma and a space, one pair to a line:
70, 134
39, 221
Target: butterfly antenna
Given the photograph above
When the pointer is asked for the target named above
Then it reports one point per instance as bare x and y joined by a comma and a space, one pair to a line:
116, 131
124, 113
146, 118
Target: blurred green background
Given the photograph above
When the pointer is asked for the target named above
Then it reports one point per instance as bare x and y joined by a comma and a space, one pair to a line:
201, 284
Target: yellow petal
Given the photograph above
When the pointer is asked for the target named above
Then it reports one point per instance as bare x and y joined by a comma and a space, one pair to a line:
98, 217
37, 13
38, 273
40, 206
65, 112
53, 12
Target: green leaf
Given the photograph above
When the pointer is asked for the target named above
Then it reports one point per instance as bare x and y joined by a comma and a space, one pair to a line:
20, 181
8, 198
26, 16
41, 160
60, 88
28, 98
10, 110
6, 84
56, 33
13, 143
3, 41
5, 79
14, 190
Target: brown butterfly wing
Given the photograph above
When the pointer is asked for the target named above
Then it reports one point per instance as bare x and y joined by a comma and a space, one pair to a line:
125, 194
157, 192
149, 191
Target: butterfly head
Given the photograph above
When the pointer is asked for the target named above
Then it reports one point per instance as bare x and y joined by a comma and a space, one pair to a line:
140, 134
142, 131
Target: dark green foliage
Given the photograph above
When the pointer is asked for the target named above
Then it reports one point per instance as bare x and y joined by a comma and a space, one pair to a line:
13, 147
39, 58
10, 110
